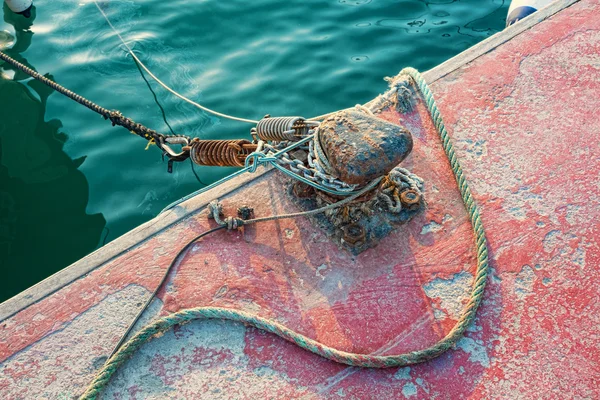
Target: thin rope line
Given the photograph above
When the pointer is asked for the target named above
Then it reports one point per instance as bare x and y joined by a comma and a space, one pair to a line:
182, 97
223, 225
160, 285
161, 83
163, 324
162, 110
323, 209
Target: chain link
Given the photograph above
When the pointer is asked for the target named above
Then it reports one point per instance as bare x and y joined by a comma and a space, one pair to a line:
315, 173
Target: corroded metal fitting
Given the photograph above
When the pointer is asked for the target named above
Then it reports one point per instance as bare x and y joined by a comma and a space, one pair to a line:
354, 234
410, 198
245, 212
302, 190
361, 147
279, 129
221, 153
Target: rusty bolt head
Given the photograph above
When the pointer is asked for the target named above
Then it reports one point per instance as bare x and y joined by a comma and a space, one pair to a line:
245, 212
410, 198
302, 190
354, 234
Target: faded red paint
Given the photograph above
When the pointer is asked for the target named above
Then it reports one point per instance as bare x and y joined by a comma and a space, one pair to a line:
524, 122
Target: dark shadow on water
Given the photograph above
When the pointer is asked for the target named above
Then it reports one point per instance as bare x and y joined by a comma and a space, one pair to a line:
43, 196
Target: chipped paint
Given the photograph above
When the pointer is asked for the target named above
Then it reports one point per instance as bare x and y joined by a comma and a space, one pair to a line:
409, 389
450, 293
524, 282
431, 227
402, 373
477, 351
320, 268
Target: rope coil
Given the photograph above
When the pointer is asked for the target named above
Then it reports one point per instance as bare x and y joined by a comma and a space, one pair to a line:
221, 153
279, 129
400, 189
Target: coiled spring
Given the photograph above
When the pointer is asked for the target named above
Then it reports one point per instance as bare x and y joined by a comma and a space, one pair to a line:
279, 129
221, 153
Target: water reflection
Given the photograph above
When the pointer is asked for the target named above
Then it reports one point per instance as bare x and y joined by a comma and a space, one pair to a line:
43, 196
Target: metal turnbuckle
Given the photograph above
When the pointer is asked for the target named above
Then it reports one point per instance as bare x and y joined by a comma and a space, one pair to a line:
221, 153
279, 129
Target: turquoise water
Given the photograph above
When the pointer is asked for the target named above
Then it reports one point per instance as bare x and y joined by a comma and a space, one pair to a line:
70, 182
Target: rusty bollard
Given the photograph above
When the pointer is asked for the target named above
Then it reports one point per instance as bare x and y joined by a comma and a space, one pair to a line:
361, 147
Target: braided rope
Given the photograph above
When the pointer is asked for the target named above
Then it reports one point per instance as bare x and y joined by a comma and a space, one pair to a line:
362, 360
114, 116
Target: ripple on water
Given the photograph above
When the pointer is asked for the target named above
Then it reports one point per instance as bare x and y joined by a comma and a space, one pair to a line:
355, 2
244, 58
359, 58
6, 40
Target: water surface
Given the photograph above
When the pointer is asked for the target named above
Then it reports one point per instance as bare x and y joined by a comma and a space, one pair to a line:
70, 182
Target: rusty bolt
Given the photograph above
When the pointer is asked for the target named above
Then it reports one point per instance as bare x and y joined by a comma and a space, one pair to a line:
354, 234
410, 198
302, 190
245, 212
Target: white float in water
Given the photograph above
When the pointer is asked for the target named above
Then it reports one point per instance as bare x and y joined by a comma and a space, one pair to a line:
20, 6
519, 9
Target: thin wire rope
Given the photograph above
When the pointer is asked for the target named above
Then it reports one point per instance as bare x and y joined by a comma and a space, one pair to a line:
164, 85
162, 110
163, 324
223, 225
182, 97
323, 209
160, 285
164, 117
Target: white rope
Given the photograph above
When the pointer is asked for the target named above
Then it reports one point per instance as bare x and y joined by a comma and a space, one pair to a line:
164, 85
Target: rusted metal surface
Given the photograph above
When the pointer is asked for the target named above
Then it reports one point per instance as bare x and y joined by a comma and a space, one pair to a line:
365, 221
523, 119
361, 147
410, 198
354, 234
302, 190
245, 212
281, 128
222, 153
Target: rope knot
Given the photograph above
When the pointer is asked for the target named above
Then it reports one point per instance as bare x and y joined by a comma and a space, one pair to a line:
321, 159
234, 223
402, 86
401, 189
254, 159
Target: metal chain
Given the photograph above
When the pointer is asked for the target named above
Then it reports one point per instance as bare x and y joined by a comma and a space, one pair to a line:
315, 173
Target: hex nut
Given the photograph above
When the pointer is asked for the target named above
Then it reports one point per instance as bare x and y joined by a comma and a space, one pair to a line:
410, 198
354, 234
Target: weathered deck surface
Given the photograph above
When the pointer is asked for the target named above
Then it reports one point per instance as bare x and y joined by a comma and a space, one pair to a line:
524, 118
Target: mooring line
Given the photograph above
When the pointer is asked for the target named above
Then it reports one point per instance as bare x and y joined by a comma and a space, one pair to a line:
164, 85
468, 313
